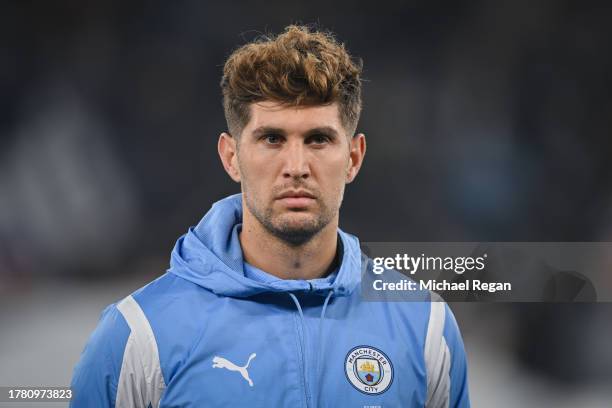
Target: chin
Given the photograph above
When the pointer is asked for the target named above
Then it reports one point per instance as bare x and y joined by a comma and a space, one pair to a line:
296, 220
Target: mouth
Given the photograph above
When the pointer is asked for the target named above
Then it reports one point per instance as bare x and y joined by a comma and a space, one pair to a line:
296, 199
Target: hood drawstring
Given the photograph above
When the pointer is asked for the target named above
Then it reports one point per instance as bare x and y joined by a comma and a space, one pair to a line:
321, 340
321, 344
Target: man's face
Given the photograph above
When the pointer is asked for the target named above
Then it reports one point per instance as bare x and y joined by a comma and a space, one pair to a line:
293, 163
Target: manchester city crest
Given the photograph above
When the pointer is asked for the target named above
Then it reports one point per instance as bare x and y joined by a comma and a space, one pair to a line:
368, 369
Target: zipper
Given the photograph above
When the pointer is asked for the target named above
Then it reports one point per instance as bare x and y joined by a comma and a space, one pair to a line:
303, 347
301, 336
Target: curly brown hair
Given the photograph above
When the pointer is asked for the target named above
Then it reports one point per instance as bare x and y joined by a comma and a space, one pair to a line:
299, 67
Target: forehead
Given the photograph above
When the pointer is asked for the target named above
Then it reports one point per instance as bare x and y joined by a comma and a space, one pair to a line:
296, 119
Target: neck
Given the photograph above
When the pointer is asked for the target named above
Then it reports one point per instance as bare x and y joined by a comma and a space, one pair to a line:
314, 259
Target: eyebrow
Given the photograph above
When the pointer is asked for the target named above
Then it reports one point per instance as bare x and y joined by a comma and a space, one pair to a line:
326, 130
263, 130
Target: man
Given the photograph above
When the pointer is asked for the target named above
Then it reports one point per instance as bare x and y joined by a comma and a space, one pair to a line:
261, 305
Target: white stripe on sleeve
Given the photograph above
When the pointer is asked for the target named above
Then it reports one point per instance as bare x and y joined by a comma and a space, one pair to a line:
437, 357
141, 381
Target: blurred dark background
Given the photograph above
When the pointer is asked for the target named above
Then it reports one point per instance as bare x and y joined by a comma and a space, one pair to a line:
486, 121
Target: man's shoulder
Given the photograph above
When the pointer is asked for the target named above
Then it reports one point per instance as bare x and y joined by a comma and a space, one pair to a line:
171, 297
171, 312
167, 287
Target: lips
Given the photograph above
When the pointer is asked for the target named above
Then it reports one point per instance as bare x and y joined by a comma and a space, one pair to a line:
296, 199
296, 194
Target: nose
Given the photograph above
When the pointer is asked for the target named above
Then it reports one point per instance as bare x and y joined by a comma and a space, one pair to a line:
296, 163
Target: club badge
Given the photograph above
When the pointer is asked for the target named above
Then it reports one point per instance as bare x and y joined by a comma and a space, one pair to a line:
368, 369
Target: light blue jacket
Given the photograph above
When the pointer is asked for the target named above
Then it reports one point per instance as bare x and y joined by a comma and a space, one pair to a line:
215, 332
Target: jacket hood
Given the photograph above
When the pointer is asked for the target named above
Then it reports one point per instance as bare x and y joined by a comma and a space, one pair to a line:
210, 255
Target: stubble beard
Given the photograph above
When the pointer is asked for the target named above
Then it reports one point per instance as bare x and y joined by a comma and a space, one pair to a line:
293, 233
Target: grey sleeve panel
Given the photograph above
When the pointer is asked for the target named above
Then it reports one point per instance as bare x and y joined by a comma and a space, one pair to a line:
437, 357
141, 381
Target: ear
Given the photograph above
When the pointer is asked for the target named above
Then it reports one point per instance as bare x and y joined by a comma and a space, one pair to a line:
228, 153
356, 155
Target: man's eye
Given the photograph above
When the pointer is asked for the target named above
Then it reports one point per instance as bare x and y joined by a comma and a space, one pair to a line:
272, 139
318, 139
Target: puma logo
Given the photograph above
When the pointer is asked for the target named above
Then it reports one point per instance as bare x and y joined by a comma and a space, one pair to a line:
220, 362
